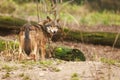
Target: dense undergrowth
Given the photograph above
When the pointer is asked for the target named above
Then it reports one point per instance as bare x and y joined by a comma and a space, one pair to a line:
79, 14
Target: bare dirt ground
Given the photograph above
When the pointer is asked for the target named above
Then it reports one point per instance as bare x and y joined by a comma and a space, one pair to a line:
53, 69
89, 70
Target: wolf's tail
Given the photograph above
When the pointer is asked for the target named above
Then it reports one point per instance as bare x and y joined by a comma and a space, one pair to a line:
27, 41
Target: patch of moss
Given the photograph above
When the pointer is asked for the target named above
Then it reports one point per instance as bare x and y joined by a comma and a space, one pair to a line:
12, 22
69, 54
103, 38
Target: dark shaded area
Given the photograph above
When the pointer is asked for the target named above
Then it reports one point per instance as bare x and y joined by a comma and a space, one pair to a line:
59, 35
100, 5
7, 31
11, 25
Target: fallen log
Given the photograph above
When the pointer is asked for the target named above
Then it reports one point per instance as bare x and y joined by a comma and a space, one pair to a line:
8, 22
99, 38
10, 25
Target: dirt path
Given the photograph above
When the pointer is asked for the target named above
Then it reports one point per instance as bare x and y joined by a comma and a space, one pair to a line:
88, 70
84, 71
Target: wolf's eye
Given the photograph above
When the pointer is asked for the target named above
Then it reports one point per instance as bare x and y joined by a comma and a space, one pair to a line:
57, 26
48, 25
48, 29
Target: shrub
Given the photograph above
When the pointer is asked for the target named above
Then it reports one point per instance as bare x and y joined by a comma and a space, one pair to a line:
7, 6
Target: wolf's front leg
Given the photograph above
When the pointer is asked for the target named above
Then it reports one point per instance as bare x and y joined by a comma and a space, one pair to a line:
20, 54
43, 52
34, 52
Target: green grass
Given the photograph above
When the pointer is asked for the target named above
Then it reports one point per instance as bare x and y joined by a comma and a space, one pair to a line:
79, 14
21, 75
6, 75
93, 18
75, 76
46, 64
5, 45
103, 18
9, 68
25, 77
109, 61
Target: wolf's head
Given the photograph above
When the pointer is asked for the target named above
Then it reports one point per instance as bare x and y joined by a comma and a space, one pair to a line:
51, 26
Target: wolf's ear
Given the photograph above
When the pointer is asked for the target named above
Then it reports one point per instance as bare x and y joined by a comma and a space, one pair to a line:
49, 19
43, 22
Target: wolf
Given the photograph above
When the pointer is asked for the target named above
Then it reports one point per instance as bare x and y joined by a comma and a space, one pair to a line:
33, 38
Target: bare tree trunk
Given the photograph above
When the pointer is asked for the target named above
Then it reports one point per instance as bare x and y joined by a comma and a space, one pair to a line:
54, 5
61, 1
37, 10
